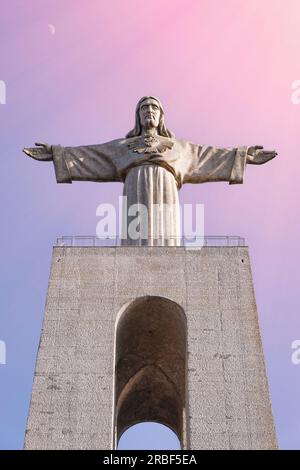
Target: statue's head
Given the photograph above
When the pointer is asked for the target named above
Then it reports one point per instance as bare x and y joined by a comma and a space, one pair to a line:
149, 113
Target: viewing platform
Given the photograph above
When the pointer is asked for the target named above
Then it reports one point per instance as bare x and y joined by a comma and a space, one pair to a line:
185, 241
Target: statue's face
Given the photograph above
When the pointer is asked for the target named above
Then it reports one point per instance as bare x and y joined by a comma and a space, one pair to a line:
149, 113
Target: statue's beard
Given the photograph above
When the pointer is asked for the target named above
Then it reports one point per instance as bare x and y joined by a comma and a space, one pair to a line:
150, 123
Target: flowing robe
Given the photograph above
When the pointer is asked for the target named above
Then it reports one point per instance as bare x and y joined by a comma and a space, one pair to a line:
151, 178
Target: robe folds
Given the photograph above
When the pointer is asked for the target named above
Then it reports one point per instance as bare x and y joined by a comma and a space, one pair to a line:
151, 179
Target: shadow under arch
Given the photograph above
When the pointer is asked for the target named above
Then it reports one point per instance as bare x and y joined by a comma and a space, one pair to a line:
150, 366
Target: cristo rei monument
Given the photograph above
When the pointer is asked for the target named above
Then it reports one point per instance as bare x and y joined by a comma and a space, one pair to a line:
150, 330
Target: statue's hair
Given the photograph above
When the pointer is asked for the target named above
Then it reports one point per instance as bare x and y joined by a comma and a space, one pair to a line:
137, 130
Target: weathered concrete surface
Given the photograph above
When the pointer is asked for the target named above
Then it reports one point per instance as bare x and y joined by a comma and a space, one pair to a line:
73, 391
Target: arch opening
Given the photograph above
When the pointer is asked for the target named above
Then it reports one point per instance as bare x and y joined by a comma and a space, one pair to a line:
149, 436
150, 372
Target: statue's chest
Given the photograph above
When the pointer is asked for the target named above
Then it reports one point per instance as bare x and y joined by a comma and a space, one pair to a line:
150, 145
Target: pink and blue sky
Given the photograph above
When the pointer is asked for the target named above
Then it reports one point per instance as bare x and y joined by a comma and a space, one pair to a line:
223, 70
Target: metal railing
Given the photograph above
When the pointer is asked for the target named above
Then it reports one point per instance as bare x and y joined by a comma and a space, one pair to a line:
94, 241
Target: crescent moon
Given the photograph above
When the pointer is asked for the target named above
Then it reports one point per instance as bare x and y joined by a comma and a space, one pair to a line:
51, 28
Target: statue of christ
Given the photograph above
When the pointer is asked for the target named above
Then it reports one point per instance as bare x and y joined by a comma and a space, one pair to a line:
153, 165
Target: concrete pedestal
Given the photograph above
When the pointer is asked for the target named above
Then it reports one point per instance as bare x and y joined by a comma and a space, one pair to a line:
220, 386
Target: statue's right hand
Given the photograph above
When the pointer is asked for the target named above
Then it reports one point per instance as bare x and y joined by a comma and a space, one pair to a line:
42, 152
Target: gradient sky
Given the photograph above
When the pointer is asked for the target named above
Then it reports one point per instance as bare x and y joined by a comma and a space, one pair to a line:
223, 70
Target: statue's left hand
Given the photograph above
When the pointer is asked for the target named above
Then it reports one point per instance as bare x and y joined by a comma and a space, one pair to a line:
42, 152
257, 155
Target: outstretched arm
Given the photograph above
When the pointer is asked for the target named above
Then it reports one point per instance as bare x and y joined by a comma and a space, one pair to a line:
210, 164
84, 163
